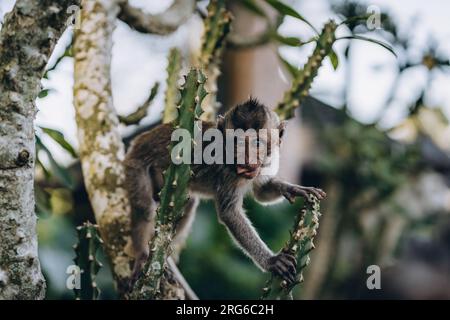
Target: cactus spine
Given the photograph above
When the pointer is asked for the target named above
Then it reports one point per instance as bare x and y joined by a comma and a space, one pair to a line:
174, 193
304, 78
89, 242
300, 244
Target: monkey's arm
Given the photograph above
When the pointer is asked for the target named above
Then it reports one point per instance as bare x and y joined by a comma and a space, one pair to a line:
229, 209
271, 189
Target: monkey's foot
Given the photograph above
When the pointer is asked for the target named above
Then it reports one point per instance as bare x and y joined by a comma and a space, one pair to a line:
285, 266
290, 192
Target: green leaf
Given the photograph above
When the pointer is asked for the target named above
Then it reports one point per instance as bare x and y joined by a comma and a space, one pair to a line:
286, 10
381, 43
253, 7
293, 71
334, 59
43, 93
289, 41
60, 173
356, 18
60, 139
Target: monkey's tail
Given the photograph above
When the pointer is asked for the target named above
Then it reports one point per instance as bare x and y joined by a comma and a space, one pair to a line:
190, 294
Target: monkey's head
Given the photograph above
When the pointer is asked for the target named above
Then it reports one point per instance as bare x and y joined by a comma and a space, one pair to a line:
257, 135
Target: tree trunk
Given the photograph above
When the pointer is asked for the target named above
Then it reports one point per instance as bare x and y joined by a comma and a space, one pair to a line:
27, 39
101, 146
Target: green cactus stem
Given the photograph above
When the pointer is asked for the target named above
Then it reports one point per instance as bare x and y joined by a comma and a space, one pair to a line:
172, 96
174, 193
302, 81
217, 26
300, 244
89, 242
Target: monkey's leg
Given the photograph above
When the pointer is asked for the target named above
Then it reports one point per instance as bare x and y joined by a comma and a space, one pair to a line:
143, 209
184, 227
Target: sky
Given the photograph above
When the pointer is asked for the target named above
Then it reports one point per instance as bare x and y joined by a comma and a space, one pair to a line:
140, 60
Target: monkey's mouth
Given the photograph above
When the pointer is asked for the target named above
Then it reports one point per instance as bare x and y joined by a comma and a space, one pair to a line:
247, 172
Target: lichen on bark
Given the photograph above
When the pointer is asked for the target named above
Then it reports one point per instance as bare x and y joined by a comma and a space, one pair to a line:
28, 36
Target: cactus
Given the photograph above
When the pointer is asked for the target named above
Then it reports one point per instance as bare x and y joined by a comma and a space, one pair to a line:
304, 78
300, 244
174, 193
172, 96
89, 242
217, 27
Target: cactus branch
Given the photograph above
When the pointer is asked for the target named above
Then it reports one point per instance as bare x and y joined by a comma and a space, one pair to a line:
217, 26
300, 244
174, 194
89, 242
172, 96
304, 78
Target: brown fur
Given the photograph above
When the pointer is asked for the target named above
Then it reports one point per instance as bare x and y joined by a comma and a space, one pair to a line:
148, 157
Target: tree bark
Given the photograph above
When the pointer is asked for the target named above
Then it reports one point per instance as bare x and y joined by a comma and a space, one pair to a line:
101, 146
27, 39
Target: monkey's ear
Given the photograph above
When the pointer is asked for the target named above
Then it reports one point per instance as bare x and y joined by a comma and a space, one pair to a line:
282, 128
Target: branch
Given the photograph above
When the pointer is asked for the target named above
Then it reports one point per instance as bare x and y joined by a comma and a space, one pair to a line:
27, 39
101, 146
86, 259
172, 96
217, 27
174, 194
190, 294
304, 78
162, 24
142, 111
299, 244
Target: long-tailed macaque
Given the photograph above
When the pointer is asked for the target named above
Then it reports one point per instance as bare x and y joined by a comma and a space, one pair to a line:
226, 183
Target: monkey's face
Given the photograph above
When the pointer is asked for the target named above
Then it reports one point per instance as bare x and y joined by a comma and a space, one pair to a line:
257, 132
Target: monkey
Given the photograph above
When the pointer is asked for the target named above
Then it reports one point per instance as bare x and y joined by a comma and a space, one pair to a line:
225, 183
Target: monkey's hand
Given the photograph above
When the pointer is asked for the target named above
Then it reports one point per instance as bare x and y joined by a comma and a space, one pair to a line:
291, 191
283, 265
